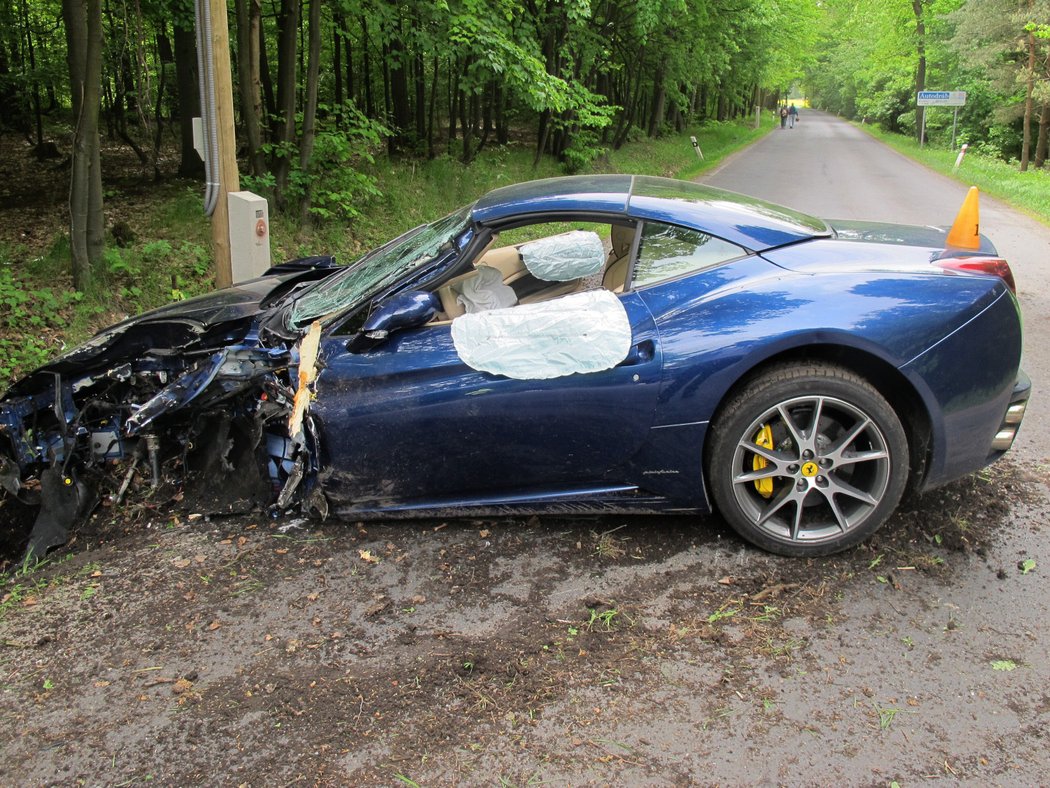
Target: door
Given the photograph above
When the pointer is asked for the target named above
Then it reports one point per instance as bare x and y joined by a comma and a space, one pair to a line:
410, 422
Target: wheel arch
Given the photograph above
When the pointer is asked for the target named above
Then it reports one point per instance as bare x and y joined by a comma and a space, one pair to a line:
902, 395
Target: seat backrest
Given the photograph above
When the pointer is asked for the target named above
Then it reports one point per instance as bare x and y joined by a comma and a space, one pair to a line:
506, 259
615, 277
621, 238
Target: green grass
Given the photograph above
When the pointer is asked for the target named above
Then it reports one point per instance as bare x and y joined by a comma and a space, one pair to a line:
1026, 191
170, 256
673, 156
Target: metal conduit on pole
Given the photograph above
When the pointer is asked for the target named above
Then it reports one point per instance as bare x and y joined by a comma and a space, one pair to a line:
206, 82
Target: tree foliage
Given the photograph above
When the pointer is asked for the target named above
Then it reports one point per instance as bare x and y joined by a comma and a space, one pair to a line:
323, 87
868, 67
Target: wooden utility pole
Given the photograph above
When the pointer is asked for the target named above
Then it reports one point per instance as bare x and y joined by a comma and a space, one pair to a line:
229, 177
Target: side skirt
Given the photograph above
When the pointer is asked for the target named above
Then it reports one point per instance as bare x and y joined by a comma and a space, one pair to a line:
614, 500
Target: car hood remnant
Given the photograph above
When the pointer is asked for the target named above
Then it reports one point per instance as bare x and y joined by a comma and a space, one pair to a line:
585, 332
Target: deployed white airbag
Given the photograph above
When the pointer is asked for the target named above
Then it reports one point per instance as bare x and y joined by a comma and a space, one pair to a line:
562, 258
485, 290
584, 332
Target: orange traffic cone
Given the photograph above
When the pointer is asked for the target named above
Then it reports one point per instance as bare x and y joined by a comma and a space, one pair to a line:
966, 232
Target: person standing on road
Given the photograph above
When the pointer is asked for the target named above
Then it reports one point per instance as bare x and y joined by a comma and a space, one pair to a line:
792, 115
783, 116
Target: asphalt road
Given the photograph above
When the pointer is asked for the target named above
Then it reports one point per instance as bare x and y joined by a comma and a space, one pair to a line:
830, 168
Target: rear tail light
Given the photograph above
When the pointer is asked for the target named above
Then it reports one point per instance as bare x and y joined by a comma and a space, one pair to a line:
995, 266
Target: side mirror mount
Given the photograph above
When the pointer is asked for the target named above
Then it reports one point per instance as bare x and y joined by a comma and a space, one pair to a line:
409, 309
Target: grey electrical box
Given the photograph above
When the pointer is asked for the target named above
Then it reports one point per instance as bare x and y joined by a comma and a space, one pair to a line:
249, 235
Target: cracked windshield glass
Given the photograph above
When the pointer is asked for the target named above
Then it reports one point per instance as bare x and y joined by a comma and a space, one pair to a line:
381, 268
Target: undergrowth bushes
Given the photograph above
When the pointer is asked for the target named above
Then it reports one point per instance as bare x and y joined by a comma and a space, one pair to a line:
169, 257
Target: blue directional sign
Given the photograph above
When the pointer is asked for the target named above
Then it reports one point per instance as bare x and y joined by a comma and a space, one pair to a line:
942, 98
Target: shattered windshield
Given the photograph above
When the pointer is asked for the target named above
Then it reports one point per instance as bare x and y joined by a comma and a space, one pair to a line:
378, 269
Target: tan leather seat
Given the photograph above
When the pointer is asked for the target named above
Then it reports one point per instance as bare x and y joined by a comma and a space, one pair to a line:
619, 258
506, 259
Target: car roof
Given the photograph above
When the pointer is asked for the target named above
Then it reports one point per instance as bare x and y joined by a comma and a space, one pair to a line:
749, 222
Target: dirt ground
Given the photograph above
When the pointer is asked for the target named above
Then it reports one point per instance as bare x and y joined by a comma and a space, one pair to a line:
657, 651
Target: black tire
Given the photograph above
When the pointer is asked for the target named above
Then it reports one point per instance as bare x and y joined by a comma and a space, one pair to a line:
816, 491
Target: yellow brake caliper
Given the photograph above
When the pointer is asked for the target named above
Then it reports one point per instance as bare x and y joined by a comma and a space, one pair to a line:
763, 438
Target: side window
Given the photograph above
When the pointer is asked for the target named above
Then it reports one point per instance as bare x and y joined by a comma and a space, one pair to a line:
536, 263
668, 251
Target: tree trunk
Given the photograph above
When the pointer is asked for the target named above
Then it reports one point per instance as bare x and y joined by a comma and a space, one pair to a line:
542, 134
264, 75
249, 18
337, 59
920, 69
83, 23
1026, 140
675, 118
164, 57
399, 101
656, 119
468, 131
421, 99
37, 115
432, 112
1042, 143
190, 163
306, 147
351, 85
452, 94
502, 132
366, 70
284, 133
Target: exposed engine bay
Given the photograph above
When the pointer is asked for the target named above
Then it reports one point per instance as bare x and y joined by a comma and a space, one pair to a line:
206, 407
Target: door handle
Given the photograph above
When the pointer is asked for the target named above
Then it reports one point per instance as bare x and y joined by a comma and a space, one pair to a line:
641, 353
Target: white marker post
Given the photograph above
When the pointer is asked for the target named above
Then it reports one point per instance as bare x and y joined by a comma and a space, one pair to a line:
959, 158
696, 147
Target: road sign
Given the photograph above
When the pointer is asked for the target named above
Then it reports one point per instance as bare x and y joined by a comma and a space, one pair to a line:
942, 98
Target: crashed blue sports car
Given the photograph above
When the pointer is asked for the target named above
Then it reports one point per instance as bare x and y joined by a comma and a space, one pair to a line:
576, 345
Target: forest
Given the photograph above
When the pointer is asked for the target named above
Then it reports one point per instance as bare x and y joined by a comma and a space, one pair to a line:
325, 92
872, 56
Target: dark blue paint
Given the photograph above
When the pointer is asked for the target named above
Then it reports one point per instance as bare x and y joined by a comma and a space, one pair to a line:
408, 428
751, 223
404, 427
595, 193
409, 419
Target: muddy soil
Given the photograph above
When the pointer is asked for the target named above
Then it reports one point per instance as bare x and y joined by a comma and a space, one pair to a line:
177, 650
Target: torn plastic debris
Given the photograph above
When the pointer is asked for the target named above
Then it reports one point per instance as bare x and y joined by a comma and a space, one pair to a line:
584, 332
562, 258
308, 349
64, 500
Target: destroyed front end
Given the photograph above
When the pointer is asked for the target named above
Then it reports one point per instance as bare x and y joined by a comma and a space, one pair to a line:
189, 403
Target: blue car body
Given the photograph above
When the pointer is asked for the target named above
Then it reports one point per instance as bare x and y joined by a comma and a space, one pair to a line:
400, 425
